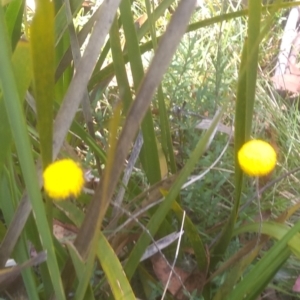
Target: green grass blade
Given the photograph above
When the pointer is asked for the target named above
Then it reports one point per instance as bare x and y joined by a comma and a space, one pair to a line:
149, 154
269, 268
151, 23
21, 254
21, 60
67, 58
119, 66
61, 23
157, 13
255, 281
240, 123
240, 119
5, 134
84, 278
113, 270
275, 230
61, 85
195, 240
79, 266
33, 235
160, 214
42, 45
254, 16
14, 16
21, 64
166, 138
20, 135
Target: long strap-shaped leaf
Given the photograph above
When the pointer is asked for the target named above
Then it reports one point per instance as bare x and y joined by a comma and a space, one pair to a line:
42, 45
21, 61
244, 115
149, 154
113, 270
254, 282
275, 230
20, 135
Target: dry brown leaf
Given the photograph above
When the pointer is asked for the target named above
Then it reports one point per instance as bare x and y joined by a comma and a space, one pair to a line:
162, 272
62, 233
191, 280
287, 82
196, 280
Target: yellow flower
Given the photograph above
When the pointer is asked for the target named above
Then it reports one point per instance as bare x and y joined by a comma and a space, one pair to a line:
62, 179
257, 158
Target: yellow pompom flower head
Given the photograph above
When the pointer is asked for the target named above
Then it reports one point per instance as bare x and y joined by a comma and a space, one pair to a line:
62, 179
257, 158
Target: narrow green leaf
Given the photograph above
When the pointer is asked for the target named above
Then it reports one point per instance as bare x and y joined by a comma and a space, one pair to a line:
63, 82
22, 70
67, 58
5, 134
254, 16
42, 46
256, 280
166, 138
159, 11
119, 66
79, 266
113, 270
240, 119
21, 60
14, 17
86, 273
275, 230
19, 131
61, 23
149, 154
195, 240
